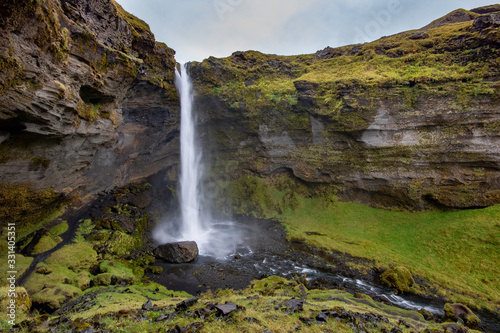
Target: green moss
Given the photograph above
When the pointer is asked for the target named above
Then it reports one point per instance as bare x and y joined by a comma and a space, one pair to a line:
398, 278
59, 229
139, 27
53, 297
46, 243
118, 271
23, 303
77, 256
88, 112
27, 206
82, 280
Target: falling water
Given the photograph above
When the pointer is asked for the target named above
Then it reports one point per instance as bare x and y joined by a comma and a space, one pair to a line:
192, 228
214, 238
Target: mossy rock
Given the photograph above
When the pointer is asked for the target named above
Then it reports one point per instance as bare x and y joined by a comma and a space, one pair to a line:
51, 299
82, 280
275, 284
104, 279
398, 278
59, 229
154, 269
454, 312
77, 256
114, 272
23, 301
46, 243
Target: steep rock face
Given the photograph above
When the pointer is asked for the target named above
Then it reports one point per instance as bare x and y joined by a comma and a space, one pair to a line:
400, 122
87, 99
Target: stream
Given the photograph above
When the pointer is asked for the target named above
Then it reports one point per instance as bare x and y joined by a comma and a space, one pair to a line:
249, 249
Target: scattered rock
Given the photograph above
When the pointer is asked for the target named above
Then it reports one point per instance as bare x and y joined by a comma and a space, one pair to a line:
398, 278
294, 305
322, 316
186, 303
225, 309
454, 312
148, 305
165, 317
252, 320
419, 35
179, 252
191, 328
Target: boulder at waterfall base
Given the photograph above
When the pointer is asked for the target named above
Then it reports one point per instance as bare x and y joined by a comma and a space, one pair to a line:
178, 252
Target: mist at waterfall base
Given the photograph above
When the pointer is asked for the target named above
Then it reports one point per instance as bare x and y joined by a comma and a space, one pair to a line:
214, 237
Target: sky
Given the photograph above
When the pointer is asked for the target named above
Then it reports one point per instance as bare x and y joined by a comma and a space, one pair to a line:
197, 29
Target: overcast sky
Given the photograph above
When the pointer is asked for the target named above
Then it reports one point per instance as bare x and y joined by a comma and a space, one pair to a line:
197, 29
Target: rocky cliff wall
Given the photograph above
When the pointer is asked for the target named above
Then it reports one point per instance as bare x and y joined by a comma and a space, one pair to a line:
411, 120
87, 97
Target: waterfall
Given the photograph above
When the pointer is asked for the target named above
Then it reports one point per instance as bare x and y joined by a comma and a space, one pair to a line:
191, 170
215, 238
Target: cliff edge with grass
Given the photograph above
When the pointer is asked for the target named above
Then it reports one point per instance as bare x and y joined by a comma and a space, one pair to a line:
408, 121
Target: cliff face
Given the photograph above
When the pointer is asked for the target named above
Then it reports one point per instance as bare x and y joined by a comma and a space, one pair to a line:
411, 120
87, 98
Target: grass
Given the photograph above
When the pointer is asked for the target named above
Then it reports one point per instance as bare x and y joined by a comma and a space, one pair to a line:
456, 250
260, 307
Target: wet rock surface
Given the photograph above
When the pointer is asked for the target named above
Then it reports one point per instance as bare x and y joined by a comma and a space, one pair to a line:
178, 252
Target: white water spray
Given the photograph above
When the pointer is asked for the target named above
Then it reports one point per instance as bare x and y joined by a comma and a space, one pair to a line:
190, 177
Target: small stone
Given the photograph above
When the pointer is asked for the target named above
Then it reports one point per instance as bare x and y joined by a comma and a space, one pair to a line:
225, 309
148, 305
165, 317
186, 303
323, 317
294, 305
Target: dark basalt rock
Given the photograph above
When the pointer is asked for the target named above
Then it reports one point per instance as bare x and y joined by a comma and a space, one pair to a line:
186, 303
225, 309
486, 21
294, 305
70, 97
454, 312
486, 9
179, 252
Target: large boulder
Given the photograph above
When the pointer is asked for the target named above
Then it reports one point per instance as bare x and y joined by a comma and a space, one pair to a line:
178, 252
398, 278
454, 312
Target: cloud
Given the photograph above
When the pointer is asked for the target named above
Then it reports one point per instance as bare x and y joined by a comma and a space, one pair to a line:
197, 29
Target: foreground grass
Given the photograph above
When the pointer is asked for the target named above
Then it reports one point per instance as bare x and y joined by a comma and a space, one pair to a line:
456, 250
260, 307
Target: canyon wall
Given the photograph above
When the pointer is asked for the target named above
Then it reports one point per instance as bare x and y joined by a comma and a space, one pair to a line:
409, 121
87, 96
